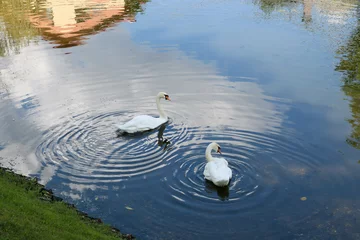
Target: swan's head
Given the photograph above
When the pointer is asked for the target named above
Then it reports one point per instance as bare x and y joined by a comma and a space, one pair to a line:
212, 146
164, 95
216, 147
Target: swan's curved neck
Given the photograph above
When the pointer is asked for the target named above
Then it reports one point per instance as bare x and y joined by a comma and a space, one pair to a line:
160, 109
208, 155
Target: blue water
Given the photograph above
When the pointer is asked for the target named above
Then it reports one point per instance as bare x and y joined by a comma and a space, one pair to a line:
258, 77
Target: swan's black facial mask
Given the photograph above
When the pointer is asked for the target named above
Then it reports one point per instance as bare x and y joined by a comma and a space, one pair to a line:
167, 98
219, 150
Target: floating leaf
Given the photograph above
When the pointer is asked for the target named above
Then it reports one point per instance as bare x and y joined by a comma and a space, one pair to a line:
303, 198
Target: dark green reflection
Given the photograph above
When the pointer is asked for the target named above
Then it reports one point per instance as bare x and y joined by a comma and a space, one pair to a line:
350, 66
15, 28
354, 94
269, 6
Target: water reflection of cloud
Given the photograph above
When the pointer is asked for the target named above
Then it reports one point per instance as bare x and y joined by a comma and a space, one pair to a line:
111, 78
84, 86
287, 60
20, 158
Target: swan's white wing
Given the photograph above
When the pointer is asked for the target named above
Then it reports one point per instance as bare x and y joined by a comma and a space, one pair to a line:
224, 169
218, 172
141, 123
229, 173
209, 168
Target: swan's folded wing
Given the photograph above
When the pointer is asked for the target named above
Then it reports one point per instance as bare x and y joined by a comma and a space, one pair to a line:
210, 167
223, 172
217, 171
141, 123
223, 168
229, 172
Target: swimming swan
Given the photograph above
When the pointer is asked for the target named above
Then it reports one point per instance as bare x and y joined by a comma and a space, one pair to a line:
144, 122
216, 169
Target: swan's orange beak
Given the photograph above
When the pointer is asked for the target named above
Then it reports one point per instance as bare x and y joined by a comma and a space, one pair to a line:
219, 150
167, 98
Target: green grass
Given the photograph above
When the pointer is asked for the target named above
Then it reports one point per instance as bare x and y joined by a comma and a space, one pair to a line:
27, 211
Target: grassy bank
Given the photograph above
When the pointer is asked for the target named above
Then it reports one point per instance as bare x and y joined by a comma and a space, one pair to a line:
28, 211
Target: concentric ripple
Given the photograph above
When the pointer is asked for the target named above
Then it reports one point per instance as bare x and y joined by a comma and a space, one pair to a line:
87, 150
259, 164
162, 170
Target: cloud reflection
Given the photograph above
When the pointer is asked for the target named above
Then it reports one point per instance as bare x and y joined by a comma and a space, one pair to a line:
63, 88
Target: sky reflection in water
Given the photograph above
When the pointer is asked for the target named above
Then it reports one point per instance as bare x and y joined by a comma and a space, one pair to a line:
274, 82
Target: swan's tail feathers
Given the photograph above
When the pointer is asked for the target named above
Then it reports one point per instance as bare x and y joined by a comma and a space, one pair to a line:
222, 182
119, 132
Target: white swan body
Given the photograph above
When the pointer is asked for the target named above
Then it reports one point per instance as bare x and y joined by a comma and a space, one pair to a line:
216, 169
144, 122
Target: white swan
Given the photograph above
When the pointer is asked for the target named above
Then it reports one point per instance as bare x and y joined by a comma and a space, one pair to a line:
216, 169
144, 122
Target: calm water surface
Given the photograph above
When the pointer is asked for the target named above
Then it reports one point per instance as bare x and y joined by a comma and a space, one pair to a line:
274, 82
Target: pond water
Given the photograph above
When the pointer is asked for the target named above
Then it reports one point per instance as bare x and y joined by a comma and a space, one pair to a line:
276, 83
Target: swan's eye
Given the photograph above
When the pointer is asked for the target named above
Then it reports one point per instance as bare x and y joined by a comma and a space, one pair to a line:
219, 149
